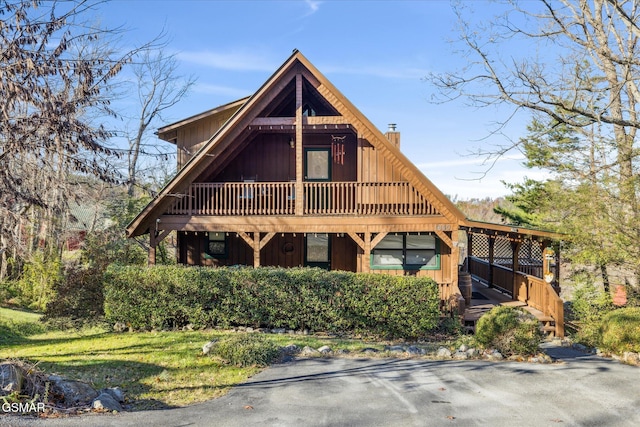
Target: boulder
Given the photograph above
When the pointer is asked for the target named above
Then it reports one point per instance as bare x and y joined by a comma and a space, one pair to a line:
291, 349
119, 327
412, 349
443, 353
309, 351
11, 378
460, 355
395, 349
631, 358
206, 349
75, 392
106, 402
325, 349
115, 392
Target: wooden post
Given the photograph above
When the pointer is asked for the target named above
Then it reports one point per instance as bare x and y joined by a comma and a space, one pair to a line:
366, 261
152, 248
492, 241
299, 152
455, 257
515, 266
256, 249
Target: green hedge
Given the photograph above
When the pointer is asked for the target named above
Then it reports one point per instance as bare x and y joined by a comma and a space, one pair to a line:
296, 298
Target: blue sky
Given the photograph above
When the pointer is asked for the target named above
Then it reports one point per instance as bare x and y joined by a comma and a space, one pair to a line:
376, 53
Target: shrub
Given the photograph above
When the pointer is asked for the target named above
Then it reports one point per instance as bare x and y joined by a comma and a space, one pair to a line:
620, 330
587, 308
247, 350
78, 298
297, 298
8, 291
510, 331
39, 277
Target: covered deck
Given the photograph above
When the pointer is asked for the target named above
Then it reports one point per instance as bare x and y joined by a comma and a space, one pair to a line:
514, 267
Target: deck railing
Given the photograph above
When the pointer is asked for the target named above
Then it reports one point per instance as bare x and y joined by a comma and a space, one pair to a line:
526, 288
319, 198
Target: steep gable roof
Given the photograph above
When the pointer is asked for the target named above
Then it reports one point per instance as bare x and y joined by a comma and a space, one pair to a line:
219, 146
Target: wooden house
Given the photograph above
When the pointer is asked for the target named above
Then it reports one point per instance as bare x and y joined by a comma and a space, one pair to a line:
295, 175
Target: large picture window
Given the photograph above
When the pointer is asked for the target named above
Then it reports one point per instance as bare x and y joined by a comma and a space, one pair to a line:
406, 251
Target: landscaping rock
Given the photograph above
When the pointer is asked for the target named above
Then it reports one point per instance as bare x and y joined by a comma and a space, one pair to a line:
412, 349
11, 378
325, 349
472, 352
463, 348
369, 350
106, 402
119, 327
115, 392
342, 351
309, 351
395, 349
206, 349
291, 349
443, 353
494, 355
75, 392
631, 358
580, 347
278, 331
460, 355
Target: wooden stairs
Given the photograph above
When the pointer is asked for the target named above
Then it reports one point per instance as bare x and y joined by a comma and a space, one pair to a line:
484, 299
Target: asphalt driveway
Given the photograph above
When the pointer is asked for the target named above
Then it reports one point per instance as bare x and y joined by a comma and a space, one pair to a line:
579, 390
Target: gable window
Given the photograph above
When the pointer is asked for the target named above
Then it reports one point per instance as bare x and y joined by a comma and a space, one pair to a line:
406, 251
216, 245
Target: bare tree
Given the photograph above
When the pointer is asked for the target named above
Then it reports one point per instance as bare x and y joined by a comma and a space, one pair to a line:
159, 88
56, 69
578, 64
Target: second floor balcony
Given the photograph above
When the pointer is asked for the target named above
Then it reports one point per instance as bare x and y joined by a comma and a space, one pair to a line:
317, 198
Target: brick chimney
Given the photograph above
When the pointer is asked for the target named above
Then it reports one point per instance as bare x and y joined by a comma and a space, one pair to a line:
393, 136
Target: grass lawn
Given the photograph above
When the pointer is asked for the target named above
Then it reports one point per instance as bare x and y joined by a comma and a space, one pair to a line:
155, 369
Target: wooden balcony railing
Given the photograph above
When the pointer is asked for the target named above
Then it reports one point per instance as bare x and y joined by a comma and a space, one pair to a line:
319, 198
526, 288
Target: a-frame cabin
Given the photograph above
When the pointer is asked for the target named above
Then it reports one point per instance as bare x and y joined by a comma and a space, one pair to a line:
295, 175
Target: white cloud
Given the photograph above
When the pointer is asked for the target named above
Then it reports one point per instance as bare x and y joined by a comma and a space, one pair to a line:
235, 61
314, 6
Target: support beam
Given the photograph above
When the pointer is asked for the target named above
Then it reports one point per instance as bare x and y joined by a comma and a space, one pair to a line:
378, 239
256, 244
518, 294
256, 249
492, 243
247, 238
356, 239
299, 209
366, 263
266, 239
152, 248
443, 236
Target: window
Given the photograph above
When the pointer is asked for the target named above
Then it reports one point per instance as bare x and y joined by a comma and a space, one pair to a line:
406, 251
317, 248
216, 245
317, 165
